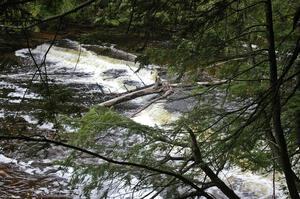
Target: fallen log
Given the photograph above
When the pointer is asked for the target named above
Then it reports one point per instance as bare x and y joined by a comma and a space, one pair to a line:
132, 95
151, 89
210, 83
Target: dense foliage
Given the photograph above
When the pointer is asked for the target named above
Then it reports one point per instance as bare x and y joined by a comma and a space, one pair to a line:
250, 121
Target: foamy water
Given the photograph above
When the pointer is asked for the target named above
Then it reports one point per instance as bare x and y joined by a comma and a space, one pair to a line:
94, 69
113, 76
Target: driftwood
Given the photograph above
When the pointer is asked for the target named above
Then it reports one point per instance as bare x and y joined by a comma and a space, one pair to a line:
132, 95
151, 89
210, 83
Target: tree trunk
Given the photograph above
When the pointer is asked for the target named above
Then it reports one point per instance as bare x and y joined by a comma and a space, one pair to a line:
219, 183
132, 95
276, 106
297, 114
151, 89
207, 170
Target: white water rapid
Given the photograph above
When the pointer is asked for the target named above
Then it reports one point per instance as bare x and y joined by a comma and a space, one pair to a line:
76, 65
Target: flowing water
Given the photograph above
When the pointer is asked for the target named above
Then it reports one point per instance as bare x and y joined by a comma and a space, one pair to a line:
77, 77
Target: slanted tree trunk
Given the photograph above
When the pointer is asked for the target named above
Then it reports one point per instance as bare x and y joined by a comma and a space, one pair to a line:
276, 106
207, 170
297, 114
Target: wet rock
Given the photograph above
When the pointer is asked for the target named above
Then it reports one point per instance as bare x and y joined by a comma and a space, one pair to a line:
66, 43
16, 183
180, 102
55, 197
111, 51
132, 83
115, 73
3, 174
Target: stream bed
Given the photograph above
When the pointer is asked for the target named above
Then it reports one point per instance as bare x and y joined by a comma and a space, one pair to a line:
77, 78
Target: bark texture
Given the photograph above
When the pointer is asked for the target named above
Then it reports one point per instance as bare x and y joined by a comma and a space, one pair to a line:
276, 106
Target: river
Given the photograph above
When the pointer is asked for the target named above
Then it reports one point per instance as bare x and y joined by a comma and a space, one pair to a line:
77, 78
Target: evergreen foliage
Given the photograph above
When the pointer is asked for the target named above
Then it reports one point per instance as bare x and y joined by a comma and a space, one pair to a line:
249, 121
